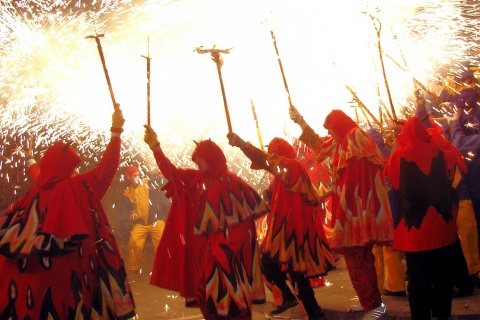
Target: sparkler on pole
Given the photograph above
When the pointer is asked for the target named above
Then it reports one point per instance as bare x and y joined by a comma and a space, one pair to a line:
380, 115
355, 106
395, 38
281, 67
378, 27
366, 118
377, 89
102, 58
418, 83
256, 123
362, 106
148, 81
30, 145
217, 58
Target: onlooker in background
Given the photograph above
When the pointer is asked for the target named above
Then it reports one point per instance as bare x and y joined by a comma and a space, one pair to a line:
123, 227
149, 208
467, 141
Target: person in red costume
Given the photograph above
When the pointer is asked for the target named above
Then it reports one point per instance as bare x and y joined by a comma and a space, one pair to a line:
58, 255
222, 208
361, 215
295, 242
422, 168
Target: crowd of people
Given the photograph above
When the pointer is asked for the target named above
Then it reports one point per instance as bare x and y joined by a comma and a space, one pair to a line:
60, 259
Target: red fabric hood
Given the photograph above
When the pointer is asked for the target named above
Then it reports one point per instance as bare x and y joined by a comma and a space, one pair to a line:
57, 164
339, 122
213, 155
282, 148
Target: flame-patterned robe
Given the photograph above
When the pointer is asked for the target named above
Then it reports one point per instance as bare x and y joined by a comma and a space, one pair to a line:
58, 256
361, 211
226, 264
295, 235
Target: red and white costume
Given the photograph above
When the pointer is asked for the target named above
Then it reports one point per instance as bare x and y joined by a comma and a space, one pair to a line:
58, 256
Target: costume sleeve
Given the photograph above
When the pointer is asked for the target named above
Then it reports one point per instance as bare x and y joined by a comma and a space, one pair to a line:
422, 114
33, 171
450, 89
100, 178
290, 172
377, 137
257, 156
322, 146
165, 165
463, 142
293, 175
180, 181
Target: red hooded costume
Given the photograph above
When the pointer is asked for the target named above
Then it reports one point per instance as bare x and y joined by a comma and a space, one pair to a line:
360, 207
295, 235
422, 168
220, 207
59, 258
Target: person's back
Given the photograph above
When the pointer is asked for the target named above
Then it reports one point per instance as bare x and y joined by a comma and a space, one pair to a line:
421, 168
61, 235
361, 213
295, 235
224, 206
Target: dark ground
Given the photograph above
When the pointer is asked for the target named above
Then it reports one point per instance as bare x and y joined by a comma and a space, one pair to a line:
336, 298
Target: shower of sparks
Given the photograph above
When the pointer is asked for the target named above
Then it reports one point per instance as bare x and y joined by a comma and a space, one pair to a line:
53, 85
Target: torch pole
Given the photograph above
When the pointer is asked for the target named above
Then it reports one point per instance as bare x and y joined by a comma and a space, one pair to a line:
227, 114
102, 58
217, 58
415, 80
378, 28
362, 106
256, 123
281, 67
148, 58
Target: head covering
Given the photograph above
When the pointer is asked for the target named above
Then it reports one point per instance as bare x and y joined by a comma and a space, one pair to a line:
466, 74
339, 122
467, 99
282, 148
57, 164
131, 170
213, 156
64, 217
414, 144
414, 130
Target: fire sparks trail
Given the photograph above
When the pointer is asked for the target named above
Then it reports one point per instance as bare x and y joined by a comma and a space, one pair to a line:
53, 87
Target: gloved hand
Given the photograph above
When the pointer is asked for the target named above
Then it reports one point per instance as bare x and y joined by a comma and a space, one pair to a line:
446, 107
117, 118
295, 115
454, 117
235, 140
150, 137
29, 159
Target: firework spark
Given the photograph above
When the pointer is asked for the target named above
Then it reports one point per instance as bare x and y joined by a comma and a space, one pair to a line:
53, 86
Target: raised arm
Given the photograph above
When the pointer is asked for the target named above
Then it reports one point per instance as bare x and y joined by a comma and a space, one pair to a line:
464, 143
297, 117
257, 156
164, 164
31, 166
100, 178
